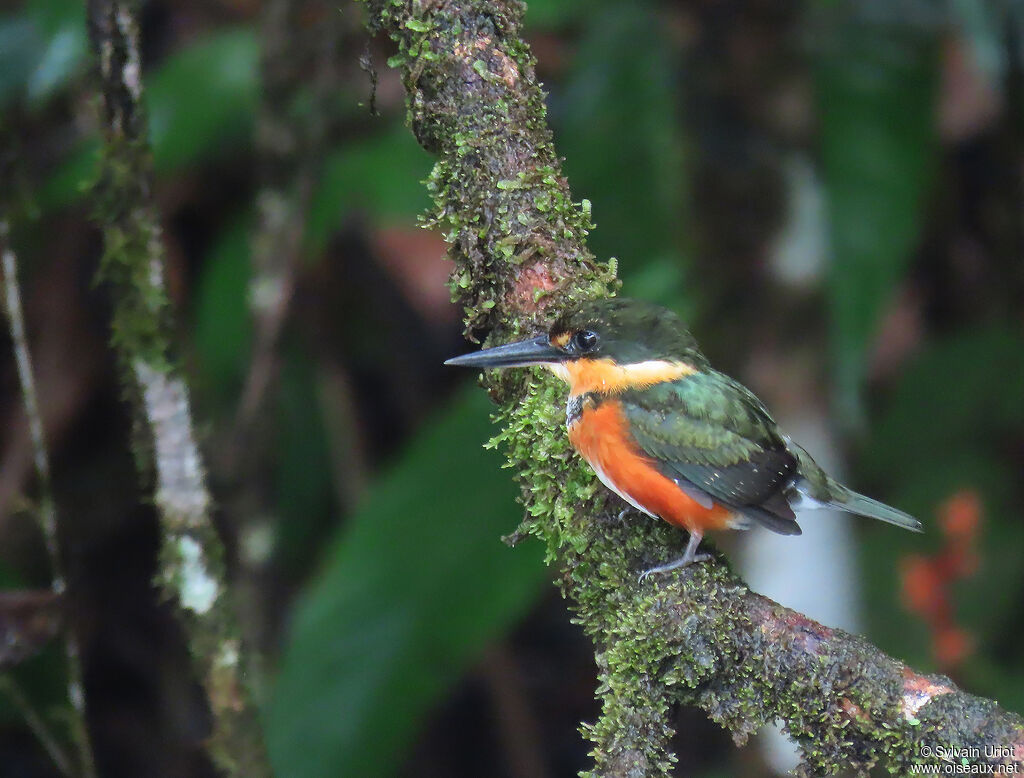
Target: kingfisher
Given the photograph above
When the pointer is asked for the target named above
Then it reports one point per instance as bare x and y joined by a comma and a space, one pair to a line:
668, 433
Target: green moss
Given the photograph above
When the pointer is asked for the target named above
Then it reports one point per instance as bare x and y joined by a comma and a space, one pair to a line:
130, 232
417, 25
500, 200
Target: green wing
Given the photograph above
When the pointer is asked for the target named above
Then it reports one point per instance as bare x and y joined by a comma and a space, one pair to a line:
712, 436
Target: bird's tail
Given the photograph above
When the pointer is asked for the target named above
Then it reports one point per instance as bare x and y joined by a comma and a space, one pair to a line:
849, 500
816, 489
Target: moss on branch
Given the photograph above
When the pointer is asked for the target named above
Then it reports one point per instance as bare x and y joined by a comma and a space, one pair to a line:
501, 200
191, 567
696, 636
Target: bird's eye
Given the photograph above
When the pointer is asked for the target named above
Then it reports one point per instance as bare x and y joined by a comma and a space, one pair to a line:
585, 340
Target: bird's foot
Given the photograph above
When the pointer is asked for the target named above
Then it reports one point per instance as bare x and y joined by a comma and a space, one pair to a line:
687, 559
684, 561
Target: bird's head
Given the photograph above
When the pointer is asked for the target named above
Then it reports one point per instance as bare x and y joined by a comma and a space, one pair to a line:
604, 346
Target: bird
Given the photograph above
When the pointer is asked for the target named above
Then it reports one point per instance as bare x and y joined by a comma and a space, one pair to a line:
673, 437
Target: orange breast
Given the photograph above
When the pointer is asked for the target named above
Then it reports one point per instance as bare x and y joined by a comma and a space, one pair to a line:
601, 437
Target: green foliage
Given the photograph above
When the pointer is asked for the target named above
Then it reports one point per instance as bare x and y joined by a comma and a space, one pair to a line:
221, 319
554, 14
41, 48
61, 25
379, 176
72, 178
303, 480
876, 94
415, 586
616, 122
981, 375
19, 45
219, 74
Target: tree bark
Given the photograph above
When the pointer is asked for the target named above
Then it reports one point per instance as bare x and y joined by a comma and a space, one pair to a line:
191, 564
696, 636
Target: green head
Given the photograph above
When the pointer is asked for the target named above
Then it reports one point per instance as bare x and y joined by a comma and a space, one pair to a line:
625, 331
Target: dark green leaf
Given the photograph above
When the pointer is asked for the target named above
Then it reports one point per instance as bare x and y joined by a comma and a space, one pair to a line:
552, 14
963, 391
41, 48
617, 127
304, 490
201, 101
380, 175
203, 98
417, 584
61, 24
876, 92
73, 178
223, 324
19, 52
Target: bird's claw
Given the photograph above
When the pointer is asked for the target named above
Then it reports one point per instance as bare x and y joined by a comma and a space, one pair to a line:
684, 561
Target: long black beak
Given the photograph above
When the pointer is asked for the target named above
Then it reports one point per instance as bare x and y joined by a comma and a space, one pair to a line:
536, 351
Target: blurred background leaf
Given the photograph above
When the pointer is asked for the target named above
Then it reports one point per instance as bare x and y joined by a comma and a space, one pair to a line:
380, 177
41, 49
412, 590
220, 73
876, 87
616, 123
223, 327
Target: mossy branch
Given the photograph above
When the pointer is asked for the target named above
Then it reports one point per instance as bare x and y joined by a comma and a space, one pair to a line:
191, 565
697, 636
